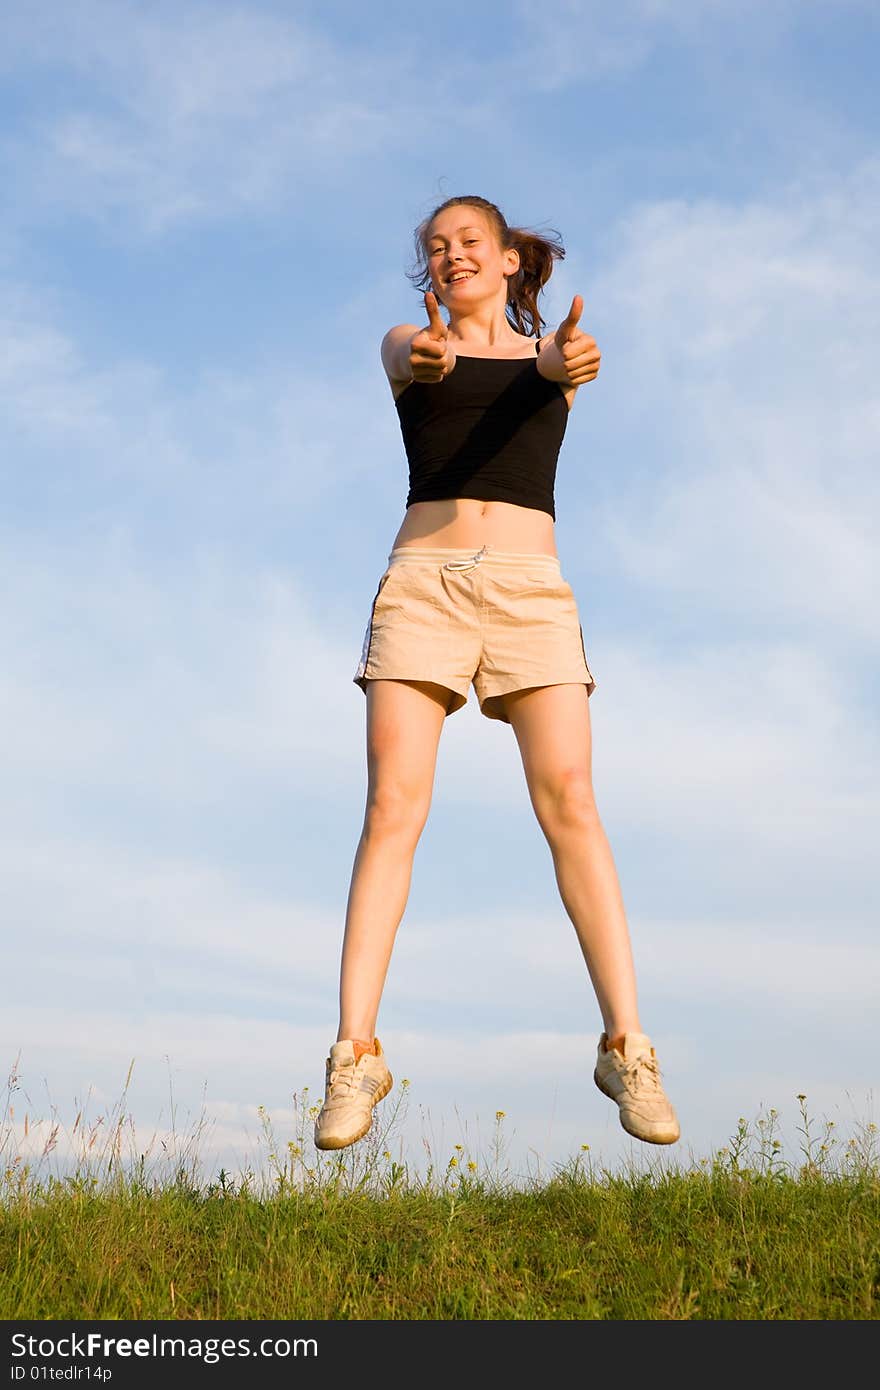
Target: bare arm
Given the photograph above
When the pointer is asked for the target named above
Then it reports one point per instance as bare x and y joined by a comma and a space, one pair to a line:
410, 353
551, 364
571, 357
395, 353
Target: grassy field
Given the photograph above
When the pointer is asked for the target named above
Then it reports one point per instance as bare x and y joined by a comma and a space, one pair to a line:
742, 1234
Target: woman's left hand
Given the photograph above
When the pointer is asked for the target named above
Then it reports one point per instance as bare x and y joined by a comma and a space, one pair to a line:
579, 355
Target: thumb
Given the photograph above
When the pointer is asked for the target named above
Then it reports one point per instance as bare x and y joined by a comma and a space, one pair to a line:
567, 329
436, 327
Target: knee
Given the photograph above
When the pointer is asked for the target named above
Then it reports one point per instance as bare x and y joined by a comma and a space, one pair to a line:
567, 803
395, 810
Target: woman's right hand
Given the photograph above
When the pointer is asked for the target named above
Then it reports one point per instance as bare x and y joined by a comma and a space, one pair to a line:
431, 356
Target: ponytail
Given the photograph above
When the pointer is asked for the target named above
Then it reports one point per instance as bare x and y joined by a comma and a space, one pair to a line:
536, 257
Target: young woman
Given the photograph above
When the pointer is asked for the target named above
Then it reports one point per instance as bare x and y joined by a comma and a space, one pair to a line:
473, 592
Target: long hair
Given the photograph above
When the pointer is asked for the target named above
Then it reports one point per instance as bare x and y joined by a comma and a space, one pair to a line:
537, 254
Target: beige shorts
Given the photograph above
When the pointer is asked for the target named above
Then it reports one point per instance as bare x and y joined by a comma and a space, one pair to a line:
495, 618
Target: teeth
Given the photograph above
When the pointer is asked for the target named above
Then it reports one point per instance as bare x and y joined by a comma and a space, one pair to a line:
462, 275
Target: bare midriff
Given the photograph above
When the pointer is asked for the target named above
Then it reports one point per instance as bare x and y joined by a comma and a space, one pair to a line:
465, 523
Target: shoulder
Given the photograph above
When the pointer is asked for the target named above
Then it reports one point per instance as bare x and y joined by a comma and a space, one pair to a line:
400, 332
569, 392
389, 349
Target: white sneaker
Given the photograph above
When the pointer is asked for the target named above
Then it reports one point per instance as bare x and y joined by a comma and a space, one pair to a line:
351, 1090
632, 1078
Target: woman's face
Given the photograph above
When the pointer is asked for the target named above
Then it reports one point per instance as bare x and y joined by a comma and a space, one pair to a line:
466, 263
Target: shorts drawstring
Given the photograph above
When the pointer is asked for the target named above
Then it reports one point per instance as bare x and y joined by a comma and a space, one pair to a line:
466, 564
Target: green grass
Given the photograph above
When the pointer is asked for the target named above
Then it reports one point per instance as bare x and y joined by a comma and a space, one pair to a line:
742, 1234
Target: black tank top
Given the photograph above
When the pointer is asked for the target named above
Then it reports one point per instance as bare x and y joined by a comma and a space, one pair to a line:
491, 430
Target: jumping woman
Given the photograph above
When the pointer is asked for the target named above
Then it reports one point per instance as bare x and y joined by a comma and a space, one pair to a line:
473, 593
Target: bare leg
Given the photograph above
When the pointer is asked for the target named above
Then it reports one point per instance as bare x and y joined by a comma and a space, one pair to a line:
404, 723
552, 728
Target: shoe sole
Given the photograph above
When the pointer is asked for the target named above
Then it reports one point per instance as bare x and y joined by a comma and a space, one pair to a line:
332, 1143
645, 1138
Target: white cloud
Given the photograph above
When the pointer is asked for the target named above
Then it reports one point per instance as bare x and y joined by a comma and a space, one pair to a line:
731, 716
190, 91
739, 413
201, 110
731, 960
749, 741
116, 678
187, 1072
277, 437
179, 114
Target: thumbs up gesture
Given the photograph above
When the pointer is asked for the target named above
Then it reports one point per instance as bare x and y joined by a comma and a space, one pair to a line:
431, 357
578, 354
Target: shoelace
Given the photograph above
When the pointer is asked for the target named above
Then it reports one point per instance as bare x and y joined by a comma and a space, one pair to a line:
343, 1077
643, 1072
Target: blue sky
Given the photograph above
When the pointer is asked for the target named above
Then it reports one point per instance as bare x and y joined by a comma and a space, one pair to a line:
208, 217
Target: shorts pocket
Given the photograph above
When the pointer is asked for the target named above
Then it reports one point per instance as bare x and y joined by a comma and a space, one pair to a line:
399, 581
384, 581
532, 585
